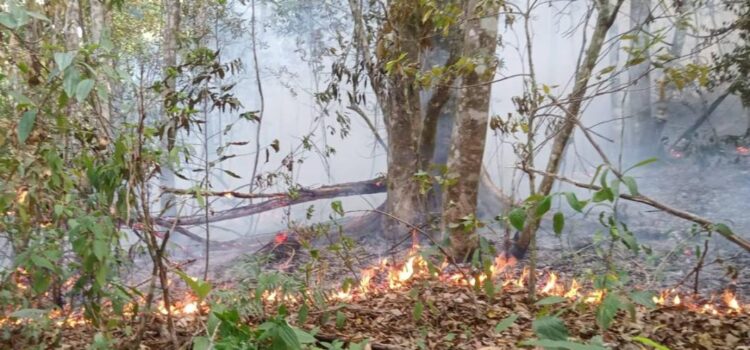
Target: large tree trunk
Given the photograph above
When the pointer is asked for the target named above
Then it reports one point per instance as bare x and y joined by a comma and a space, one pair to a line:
169, 53
466, 153
403, 119
605, 17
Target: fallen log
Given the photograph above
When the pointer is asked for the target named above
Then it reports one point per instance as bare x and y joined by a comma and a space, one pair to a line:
280, 200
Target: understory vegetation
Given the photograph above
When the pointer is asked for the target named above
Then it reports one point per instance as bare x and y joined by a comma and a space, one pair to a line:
516, 174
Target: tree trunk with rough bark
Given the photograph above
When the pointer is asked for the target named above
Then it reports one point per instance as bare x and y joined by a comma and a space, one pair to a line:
169, 53
466, 153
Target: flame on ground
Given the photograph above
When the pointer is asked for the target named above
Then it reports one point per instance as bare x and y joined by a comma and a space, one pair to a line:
387, 276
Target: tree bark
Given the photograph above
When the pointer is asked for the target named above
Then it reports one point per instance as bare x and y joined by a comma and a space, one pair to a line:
466, 153
605, 17
169, 52
645, 129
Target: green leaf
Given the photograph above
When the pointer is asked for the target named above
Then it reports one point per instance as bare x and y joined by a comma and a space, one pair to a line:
200, 288
417, 311
288, 337
651, 343
505, 323
607, 69
7, 20
201, 343
26, 125
517, 218
558, 223
83, 89
642, 163
544, 206
574, 202
304, 310
64, 59
607, 310
561, 344
550, 327
304, 337
632, 185
337, 208
724, 230
550, 300
101, 249
70, 82
605, 194
644, 298
41, 261
340, 320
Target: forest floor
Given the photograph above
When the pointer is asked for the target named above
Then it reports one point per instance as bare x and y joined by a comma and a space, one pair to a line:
433, 314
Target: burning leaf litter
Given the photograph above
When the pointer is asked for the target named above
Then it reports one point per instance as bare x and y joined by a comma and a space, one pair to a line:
442, 307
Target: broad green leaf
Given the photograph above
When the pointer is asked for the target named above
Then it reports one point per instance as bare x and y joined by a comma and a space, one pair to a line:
288, 337
561, 344
70, 82
632, 185
26, 125
7, 20
41, 261
83, 89
505, 323
101, 249
517, 217
605, 194
574, 202
550, 327
550, 300
544, 206
200, 288
558, 223
607, 310
651, 343
304, 337
724, 230
64, 59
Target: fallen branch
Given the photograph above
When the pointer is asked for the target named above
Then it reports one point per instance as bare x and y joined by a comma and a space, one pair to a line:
228, 194
281, 200
687, 135
703, 222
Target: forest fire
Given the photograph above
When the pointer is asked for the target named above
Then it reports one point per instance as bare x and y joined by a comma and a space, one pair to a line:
387, 277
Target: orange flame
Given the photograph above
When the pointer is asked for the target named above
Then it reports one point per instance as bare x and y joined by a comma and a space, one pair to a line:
551, 284
731, 301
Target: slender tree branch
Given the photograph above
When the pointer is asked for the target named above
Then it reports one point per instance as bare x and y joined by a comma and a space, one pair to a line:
701, 221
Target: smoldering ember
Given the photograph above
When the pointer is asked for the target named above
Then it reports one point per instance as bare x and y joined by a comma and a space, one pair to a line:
379, 174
